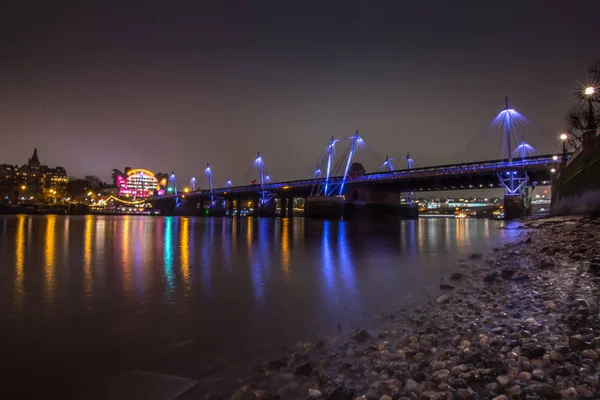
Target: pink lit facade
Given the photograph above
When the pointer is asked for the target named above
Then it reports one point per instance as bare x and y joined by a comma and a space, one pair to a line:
138, 184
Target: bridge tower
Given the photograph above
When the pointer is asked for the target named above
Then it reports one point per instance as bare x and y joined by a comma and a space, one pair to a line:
355, 140
208, 173
516, 184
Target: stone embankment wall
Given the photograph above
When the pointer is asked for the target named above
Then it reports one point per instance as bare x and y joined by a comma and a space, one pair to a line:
576, 189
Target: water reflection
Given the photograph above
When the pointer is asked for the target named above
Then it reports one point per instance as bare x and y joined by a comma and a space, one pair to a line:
50, 262
168, 255
19, 291
206, 258
285, 248
327, 260
184, 248
346, 268
87, 258
223, 283
126, 244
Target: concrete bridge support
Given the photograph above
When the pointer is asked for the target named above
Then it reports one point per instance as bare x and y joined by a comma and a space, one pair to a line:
190, 208
216, 209
164, 206
283, 207
230, 207
516, 206
266, 209
290, 207
238, 207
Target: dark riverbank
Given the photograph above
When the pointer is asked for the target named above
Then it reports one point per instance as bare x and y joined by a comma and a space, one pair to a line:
519, 322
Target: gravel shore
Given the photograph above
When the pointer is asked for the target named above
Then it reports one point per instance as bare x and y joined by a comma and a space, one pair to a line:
521, 322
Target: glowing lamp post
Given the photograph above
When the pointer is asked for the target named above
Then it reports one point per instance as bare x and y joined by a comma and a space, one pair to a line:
589, 93
564, 137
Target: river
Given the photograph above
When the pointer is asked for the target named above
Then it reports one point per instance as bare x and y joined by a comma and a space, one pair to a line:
85, 298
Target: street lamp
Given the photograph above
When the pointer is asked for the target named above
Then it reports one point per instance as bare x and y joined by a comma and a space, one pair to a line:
564, 137
590, 92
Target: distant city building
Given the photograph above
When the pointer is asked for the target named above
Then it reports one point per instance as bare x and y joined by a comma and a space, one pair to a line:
137, 184
53, 183
32, 182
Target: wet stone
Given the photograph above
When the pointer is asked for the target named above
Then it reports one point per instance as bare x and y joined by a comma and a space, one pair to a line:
361, 335
443, 299
455, 276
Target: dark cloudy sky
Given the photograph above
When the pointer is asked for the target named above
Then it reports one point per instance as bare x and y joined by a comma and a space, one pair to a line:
169, 85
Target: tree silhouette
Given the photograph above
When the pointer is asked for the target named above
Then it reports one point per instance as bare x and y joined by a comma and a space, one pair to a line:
578, 117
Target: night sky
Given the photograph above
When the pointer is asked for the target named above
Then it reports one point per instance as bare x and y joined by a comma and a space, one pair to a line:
170, 85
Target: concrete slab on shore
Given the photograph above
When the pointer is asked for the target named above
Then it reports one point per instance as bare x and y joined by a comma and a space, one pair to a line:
140, 385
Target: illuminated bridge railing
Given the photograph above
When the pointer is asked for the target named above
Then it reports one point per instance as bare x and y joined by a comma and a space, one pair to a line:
425, 172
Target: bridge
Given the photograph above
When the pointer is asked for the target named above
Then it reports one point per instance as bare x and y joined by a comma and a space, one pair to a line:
340, 183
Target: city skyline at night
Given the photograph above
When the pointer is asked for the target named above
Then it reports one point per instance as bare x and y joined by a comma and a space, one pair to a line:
171, 88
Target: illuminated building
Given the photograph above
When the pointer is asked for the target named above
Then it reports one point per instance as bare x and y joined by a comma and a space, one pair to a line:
53, 183
32, 182
137, 183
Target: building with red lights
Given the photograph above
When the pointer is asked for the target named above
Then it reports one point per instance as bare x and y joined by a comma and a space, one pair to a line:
136, 183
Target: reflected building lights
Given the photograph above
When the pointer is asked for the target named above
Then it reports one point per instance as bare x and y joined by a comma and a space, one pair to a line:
265, 246
327, 261
65, 240
19, 289
285, 248
298, 227
184, 248
459, 232
126, 248
49, 260
234, 231
227, 239
254, 263
168, 254
207, 247
346, 267
87, 258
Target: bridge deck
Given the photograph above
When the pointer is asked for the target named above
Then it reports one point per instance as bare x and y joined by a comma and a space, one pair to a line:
487, 167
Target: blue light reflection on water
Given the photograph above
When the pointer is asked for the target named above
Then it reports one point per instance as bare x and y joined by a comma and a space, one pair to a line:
327, 262
277, 288
168, 255
207, 248
345, 258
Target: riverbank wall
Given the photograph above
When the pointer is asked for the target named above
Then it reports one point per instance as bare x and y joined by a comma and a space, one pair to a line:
576, 188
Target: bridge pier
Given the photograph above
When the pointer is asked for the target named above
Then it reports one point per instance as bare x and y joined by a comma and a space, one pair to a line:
216, 209
164, 206
230, 207
516, 206
290, 207
266, 209
283, 206
238, 207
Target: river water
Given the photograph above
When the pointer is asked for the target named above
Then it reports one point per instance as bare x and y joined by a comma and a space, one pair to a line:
85, 298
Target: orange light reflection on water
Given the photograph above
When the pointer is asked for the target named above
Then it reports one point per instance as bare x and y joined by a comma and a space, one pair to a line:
285, 248
19, 290
184, 248
125, 247
87, 257
50, 260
